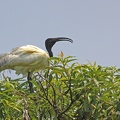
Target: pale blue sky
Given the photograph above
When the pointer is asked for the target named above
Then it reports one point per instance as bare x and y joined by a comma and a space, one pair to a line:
94, 25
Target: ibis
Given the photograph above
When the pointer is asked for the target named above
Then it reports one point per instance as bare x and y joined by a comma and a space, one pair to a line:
28, 59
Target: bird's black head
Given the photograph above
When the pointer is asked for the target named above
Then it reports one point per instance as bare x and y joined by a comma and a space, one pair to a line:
51, 41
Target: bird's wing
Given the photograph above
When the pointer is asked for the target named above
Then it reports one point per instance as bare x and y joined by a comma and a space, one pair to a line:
2, 55
23, 57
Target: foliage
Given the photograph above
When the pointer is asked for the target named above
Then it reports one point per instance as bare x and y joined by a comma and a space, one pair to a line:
66, 90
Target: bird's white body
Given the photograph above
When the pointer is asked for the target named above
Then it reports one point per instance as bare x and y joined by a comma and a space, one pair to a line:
24, 59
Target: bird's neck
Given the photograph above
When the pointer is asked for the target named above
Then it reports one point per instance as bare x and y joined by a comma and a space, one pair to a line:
50, 53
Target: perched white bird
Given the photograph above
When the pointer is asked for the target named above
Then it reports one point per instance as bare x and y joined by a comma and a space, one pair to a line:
27, 59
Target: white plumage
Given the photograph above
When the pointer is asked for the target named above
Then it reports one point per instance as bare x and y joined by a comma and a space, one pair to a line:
24, 59
27, 59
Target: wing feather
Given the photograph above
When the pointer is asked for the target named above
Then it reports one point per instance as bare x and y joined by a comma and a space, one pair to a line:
24, 59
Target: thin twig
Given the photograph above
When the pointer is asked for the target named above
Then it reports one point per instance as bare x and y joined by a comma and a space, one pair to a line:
25, 111
74, 100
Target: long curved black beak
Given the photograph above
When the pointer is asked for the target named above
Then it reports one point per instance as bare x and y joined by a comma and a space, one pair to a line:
51, 41
63, 39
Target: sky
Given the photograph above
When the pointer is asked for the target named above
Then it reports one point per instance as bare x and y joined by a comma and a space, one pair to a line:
93, 25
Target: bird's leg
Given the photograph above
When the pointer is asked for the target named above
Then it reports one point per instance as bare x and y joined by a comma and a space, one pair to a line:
29, 82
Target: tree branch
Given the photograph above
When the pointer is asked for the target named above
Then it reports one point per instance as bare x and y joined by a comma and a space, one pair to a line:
72, 102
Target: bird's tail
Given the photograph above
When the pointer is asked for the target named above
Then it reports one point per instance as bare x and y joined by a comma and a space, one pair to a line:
3, 60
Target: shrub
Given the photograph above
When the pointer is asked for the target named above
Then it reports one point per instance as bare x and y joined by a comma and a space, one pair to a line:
66, 90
